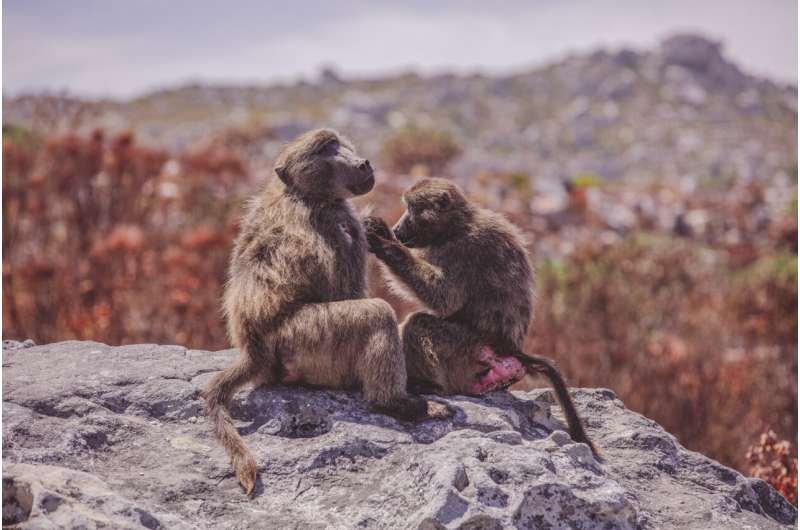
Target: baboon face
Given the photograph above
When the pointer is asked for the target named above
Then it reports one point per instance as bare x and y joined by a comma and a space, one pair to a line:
435, 209
324, 164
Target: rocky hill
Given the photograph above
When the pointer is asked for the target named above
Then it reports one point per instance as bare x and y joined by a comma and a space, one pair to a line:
679, 111
677, 135
97, 436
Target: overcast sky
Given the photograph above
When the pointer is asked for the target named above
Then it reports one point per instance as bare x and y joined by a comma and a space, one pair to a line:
116, 48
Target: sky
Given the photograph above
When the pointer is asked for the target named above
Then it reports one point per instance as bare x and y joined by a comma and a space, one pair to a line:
113, 48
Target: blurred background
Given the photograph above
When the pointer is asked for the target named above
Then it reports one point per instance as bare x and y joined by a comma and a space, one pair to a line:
648, 151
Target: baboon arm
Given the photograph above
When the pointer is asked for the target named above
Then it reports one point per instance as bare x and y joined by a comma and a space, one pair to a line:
428, 282
270, 271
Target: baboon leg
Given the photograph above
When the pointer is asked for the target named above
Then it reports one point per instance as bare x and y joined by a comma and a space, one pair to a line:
448, 358
352, 343
217, 396
437, 354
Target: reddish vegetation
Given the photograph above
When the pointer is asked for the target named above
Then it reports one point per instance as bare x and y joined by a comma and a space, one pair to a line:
772, 460
104, 239
679, 336
107, 240
412, 147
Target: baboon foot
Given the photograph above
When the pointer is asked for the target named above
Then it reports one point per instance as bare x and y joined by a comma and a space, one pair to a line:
501, 372
406, 408
439, 411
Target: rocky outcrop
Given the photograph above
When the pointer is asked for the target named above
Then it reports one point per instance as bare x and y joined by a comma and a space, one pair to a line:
97, 436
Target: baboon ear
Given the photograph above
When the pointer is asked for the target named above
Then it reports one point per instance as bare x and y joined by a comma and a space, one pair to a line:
442, 202
282, 174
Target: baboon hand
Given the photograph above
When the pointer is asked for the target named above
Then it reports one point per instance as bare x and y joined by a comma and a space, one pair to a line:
379, 235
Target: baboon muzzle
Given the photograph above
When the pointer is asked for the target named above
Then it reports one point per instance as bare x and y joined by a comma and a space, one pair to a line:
365, 185
402, 231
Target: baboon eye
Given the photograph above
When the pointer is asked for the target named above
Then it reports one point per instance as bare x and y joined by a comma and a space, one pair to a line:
442, 202
329, 149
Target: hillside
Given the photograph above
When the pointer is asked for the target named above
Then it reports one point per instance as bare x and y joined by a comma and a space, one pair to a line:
680, 116
679, 110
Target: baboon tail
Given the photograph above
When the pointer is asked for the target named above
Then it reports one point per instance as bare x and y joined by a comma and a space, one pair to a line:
217, 396
537, 364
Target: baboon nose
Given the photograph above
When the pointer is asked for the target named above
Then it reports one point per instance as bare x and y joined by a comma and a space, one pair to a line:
365, 165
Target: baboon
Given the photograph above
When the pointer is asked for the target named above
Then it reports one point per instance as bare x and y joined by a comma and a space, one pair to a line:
469, 267
295, 301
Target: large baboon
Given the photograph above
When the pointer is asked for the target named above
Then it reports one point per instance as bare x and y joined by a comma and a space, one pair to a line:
295, 301
469, 267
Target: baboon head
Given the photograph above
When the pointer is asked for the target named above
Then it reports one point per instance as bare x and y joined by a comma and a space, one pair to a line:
323, 164
436, 209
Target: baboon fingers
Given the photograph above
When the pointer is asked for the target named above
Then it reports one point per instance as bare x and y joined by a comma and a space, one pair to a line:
376, 226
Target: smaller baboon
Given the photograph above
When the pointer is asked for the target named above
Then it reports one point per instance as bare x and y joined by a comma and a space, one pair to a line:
295, 301
469, 267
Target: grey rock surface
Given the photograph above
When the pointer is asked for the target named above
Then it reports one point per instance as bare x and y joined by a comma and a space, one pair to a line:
113, 437
15, 344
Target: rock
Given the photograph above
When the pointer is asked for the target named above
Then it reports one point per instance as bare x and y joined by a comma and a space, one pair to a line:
16, 345
692, 51
98, 436
627, 58
44, 496
703, 58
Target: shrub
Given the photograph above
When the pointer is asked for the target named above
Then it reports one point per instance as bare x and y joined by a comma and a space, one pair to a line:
412, 147
101, 243
771, 460
667, 324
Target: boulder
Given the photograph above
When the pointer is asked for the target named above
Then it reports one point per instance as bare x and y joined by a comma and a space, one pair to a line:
99, 436
702, 59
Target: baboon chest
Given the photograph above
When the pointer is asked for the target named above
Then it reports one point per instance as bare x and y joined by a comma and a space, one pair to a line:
345, 249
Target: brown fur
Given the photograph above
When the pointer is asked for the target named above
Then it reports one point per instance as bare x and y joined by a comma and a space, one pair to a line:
295, 301
469, 267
